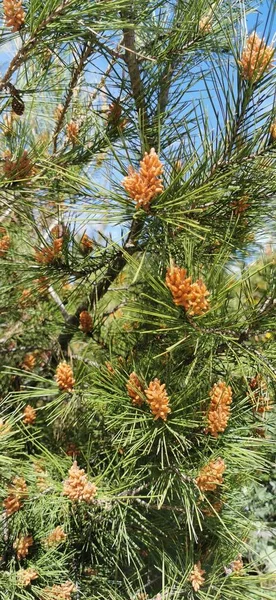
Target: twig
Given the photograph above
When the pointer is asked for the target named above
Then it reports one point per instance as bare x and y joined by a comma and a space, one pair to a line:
21, 55
59, 303
86, 53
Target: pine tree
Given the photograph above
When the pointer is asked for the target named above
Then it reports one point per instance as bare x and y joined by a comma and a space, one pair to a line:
137, 333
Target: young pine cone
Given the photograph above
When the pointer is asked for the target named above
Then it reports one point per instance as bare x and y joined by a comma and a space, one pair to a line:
86, 322
256, 58
17, 492
14, 14
237, 565
72, 130
158, 399
77, 487
145, 185
55, 537
211, 475
192, 296
196, 577
86, 245
20, 169
59, 592
29, 362
64, 377
219, 410
29, 415
22, 545
135, 389
5, 243
26, 576
49, 254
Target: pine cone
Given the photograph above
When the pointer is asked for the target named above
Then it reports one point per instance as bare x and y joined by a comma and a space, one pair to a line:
5, 243
192, 296
55, 537
135, 389
86, 322
64, 377
256, 58
145, 185
158, 399
211, 475
29, 415
59, 592
196, 577
237, 565
29, 362
17, 491
77, 487
22, 545
219, 411
17, 170
26, 576
72, 130
86, 244
14, 14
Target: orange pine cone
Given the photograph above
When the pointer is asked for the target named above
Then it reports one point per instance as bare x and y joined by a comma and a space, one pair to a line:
219, 411
29, 415
55, 537
145, 185
12, 504
237, 565
158, 399
72, 130
196, 577
86, 322
192, 296
135, 389
20, 169
256, 58
59, 592
29, 362
14, 14
26, 576
5, 243
64, 377
22, 545
77, 487
86, 244
211, 475
17, 491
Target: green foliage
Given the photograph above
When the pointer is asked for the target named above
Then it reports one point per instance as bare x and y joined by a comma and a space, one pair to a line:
126, 77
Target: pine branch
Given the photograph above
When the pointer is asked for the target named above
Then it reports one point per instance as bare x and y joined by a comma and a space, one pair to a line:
22, 54
85, 54
114, 268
